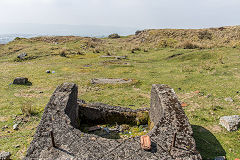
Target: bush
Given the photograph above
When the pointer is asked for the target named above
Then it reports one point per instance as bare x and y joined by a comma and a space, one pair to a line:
114, 36
62, 52
204, 35
164, 43
28, 109
188, 45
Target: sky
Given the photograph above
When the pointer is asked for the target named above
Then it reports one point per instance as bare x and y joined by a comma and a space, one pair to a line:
142, 14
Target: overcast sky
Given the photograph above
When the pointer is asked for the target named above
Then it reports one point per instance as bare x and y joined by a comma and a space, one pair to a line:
123, 13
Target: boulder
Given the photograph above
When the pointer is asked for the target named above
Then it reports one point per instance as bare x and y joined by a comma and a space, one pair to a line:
5, 155
114, 36
22, 56
231, 123
20, 81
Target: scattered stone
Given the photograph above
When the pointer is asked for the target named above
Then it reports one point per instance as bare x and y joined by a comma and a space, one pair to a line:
208, 96
4, 127
48, 71
17, 146
15, 126
94, 128
197, 91
231, 123
22, 56
228, 99
20, 81
110, 81
87, 65
116, 57
5, 155
174, 55
220, 158
145, 142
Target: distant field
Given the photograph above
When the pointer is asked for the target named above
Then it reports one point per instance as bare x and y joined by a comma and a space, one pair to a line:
201, 77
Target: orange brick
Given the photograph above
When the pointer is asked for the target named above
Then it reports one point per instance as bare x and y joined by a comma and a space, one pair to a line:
145, 142
184, 104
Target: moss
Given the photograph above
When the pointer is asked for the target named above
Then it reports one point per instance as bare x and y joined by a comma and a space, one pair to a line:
142, 117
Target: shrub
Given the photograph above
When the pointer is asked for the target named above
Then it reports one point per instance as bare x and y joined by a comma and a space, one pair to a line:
28, 109
63, 52
164, 43
114, 36
204, 35
188, 45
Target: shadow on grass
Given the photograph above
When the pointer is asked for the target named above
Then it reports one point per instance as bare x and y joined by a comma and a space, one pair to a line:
207, 144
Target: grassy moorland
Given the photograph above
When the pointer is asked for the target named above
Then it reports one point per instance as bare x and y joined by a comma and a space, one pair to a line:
203, 67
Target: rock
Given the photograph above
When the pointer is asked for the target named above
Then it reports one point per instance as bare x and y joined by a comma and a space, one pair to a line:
231, 123
94, 128
228, 99
17, 146
114, 36
20, 81
15, 126
4, 127
110, 81
197, 91
116, 57
220, 158
48, 71
145, 142
22, 56
208, 96
5, 155
107, 130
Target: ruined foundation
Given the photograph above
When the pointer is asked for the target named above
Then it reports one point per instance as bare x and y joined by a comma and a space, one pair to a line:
171, 135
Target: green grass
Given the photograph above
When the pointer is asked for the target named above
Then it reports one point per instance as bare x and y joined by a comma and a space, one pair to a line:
214, 72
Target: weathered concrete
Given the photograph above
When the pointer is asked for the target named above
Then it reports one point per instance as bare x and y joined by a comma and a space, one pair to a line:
99, 113
61, 116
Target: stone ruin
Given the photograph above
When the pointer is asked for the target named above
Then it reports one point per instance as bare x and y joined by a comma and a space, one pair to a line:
58, 135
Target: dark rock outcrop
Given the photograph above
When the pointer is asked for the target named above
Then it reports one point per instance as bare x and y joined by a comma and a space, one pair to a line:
62, 114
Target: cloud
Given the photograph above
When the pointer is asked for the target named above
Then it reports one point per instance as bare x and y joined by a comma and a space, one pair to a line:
135, 13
